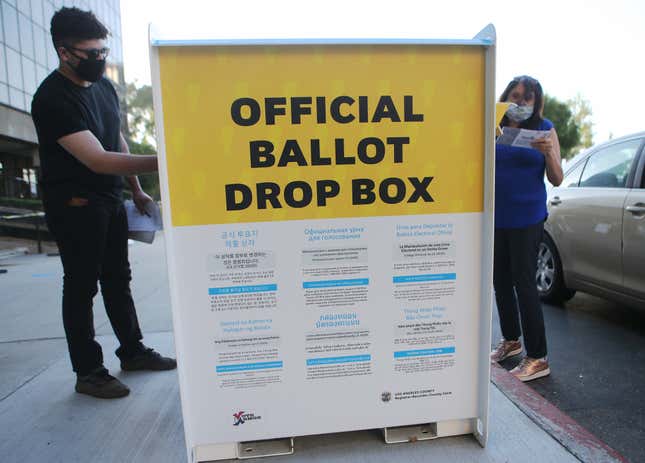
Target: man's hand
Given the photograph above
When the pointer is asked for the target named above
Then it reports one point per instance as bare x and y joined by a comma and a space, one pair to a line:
141, 198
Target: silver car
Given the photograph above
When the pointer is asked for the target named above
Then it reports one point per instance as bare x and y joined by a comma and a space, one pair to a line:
594, 238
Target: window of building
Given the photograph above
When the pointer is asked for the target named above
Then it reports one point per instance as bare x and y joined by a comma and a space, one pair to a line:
30, 183
3, 65
4, 94
37, 12
16, 98
29, 75
10, 23
41, 73
14, 66
26, 36
23, 6
40, 45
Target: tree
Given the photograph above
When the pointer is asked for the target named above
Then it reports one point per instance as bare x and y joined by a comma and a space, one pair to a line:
581, 110
141, 131
141, 118
565, 124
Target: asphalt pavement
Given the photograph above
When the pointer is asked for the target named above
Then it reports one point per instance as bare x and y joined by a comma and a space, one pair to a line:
597, 360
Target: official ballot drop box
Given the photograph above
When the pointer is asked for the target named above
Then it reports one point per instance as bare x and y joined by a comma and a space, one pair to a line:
329, 232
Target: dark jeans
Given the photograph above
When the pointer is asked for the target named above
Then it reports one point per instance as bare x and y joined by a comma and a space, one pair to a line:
93, 244
514, 281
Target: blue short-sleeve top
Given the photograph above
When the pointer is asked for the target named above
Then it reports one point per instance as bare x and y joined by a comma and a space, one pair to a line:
520, 192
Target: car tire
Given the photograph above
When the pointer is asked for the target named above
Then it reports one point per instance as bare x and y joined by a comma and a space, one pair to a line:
549, 278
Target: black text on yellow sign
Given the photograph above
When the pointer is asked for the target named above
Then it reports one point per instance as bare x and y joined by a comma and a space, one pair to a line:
411, 111
247, 112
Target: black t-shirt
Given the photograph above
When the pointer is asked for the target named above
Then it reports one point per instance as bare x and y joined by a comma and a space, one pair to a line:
59, 108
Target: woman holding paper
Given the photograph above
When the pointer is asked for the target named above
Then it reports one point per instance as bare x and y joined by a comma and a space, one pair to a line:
520, 212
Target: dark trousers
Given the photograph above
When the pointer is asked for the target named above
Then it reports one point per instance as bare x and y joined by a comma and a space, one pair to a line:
93, 244
514, 270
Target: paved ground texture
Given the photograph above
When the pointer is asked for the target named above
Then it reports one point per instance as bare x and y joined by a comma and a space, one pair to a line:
597, 359
43, 419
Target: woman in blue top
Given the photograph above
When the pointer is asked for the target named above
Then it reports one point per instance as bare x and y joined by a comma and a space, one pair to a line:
520, 211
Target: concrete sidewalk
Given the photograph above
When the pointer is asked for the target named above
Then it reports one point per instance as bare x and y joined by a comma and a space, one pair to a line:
43, 419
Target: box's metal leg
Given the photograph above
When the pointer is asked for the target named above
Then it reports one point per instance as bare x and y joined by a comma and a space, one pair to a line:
400, 434
40, 243
265, 448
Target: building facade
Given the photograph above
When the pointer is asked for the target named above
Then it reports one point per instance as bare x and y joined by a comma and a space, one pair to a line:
27, 56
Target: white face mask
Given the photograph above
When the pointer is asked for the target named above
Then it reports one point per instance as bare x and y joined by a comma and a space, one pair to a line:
519, 113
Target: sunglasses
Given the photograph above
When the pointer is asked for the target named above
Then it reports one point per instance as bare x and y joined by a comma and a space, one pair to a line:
92, 53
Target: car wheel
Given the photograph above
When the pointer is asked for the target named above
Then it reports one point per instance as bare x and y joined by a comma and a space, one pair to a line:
548, 277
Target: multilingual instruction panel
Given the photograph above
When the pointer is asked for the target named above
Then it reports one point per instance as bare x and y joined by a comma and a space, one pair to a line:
364, 319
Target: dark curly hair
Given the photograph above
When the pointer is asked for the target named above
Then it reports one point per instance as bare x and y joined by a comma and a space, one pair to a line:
71, 25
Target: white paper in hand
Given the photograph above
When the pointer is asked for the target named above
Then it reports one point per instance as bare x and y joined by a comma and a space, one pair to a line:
520, 137
138, 222
142, 227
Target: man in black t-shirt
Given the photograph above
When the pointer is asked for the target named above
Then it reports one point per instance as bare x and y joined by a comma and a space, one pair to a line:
83, 157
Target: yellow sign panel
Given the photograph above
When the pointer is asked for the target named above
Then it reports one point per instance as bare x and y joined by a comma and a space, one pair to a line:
256, 134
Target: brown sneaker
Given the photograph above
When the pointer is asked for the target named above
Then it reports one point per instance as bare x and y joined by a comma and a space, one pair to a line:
530, 369
505, 349
99, 383
150, 360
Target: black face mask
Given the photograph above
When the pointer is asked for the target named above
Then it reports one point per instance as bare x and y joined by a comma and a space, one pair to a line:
90, 70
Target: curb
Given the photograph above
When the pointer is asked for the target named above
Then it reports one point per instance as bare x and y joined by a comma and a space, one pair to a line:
564, 429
